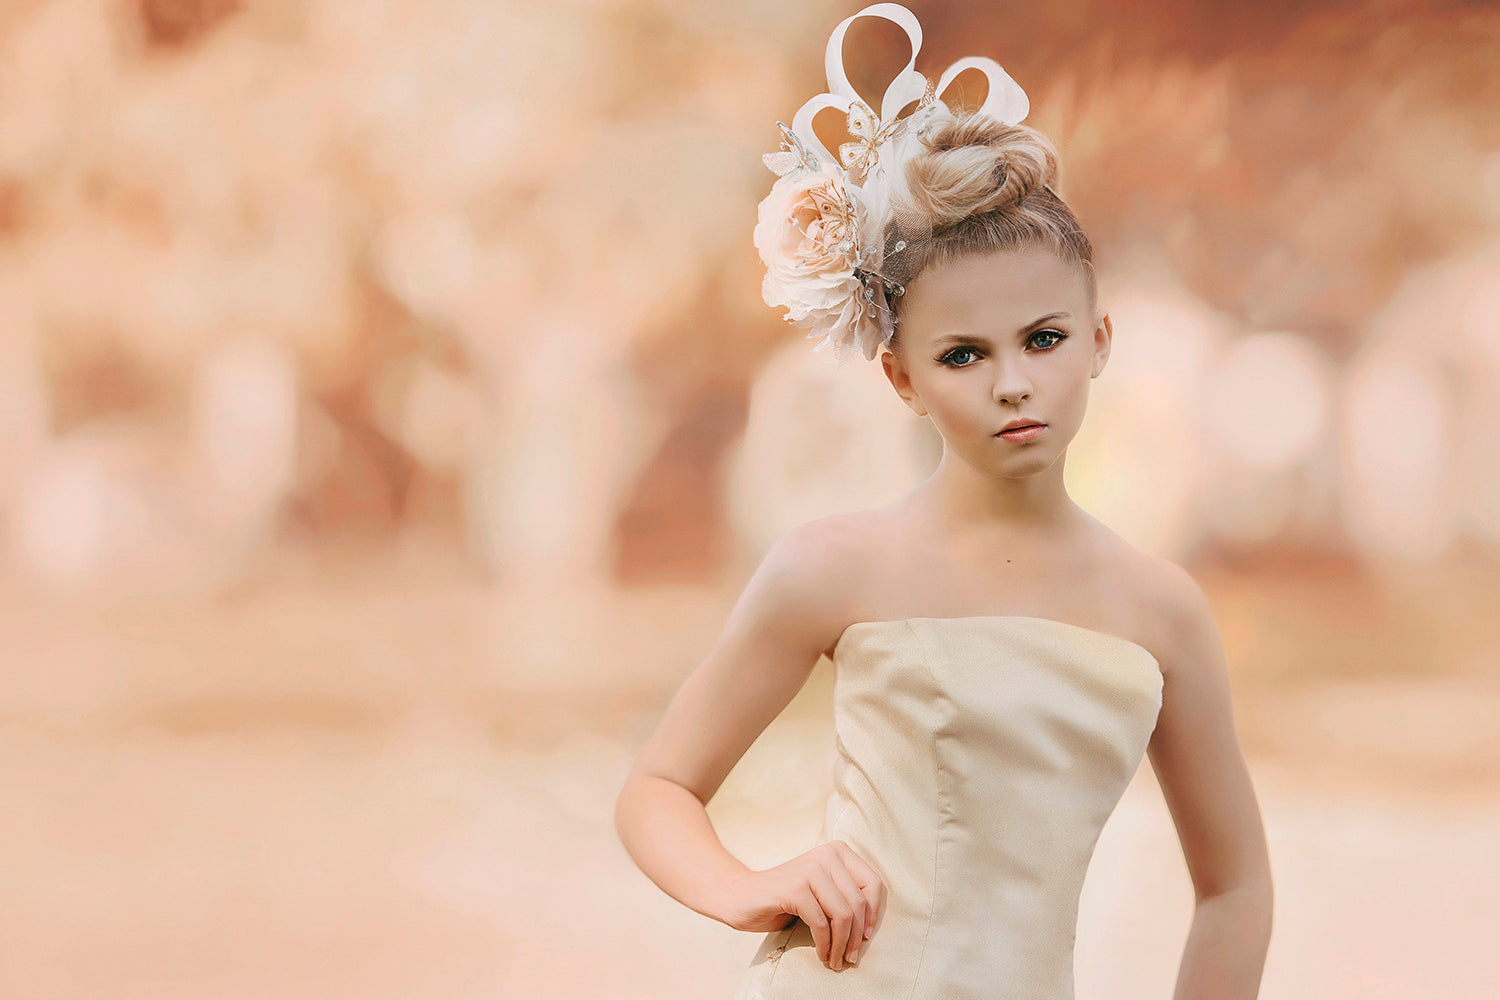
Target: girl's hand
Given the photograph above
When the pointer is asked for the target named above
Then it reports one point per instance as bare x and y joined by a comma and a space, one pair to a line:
831, 888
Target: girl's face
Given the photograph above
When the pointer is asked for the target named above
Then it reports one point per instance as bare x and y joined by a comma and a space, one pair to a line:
990, 338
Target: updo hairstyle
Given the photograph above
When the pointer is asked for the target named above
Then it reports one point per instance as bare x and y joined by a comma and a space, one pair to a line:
987, 186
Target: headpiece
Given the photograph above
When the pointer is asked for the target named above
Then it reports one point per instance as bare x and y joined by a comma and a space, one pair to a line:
837, 238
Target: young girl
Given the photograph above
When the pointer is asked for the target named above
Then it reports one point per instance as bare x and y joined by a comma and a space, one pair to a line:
1003, 659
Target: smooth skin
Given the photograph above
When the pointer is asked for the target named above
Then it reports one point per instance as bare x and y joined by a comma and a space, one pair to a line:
984, 339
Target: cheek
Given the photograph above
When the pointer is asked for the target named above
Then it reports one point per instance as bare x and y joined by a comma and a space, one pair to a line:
1072, 397
960, 410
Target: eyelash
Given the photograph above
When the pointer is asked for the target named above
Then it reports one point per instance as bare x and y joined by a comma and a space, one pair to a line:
944, 360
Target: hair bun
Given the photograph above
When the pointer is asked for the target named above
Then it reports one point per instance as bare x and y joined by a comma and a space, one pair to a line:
969, 164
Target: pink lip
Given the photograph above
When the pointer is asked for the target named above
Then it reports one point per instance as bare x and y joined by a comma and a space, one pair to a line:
1023, 433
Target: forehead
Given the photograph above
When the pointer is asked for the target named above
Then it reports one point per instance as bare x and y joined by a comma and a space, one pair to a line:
992, 293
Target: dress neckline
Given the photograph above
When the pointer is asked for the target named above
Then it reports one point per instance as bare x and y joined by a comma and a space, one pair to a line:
1008, 618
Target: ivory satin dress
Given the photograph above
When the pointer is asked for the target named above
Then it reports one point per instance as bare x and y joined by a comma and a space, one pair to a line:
978, 759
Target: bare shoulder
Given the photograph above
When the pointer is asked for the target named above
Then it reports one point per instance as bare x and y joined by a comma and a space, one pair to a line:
816, 556
1180, 620
808, 575
791, 608
1175, 616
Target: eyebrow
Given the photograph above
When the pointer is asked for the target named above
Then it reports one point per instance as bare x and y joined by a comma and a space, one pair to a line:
953, 338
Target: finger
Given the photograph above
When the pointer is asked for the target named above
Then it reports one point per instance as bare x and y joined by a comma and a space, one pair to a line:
811, 912
858, 906
869, 884
840, 915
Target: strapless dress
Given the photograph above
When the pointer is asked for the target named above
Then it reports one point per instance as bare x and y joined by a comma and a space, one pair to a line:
977, 760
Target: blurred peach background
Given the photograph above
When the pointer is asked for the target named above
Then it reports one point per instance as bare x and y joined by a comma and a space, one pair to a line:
389, 417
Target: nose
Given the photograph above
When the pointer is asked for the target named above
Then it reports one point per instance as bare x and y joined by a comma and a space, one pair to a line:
1012, 383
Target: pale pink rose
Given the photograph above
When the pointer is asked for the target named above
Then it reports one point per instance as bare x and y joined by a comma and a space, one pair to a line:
808, 237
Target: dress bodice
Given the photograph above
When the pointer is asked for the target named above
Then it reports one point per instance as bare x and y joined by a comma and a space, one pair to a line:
977, 760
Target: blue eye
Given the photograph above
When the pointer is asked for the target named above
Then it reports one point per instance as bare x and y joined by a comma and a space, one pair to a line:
946, 359
1055, 333
1057, 338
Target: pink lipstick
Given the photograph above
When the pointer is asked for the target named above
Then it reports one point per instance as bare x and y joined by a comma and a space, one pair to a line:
1022, 431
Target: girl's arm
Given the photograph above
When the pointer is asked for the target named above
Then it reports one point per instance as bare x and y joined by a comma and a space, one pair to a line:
1198, 763
787, 616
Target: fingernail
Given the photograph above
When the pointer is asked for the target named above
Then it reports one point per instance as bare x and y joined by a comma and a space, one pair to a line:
869, 929
854, 957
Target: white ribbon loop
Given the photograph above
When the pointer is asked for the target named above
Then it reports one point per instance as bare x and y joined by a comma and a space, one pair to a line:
1006, 100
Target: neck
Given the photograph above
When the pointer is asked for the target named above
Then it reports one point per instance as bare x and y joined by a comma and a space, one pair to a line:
962, 499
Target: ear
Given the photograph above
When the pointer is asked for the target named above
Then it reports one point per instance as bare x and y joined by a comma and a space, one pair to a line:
895, 371
1103, 335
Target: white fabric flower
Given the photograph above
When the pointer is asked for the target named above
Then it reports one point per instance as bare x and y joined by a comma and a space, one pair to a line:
808, 236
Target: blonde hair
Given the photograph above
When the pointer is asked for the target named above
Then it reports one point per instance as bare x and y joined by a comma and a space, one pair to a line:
987, 186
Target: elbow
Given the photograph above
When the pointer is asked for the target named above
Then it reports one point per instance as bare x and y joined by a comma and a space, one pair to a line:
1255, 888
1252, 900
629, 803
1247, 878
623, 802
